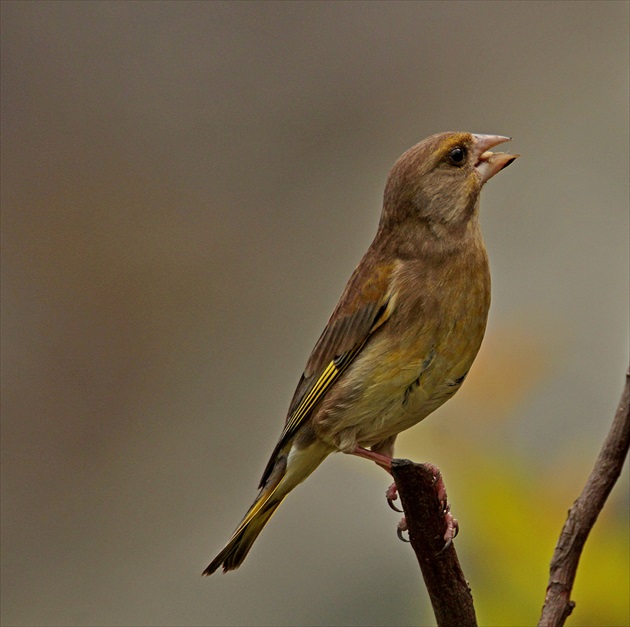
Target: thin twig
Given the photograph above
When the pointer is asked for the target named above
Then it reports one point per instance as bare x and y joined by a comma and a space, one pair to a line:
582, 516
448, 589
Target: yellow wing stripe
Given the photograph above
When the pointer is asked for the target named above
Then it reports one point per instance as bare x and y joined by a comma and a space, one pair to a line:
330, 374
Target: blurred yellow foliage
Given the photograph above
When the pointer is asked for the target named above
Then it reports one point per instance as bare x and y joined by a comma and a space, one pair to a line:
511, 511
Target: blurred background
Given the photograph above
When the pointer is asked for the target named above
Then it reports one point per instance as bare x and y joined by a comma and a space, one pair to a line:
186, 188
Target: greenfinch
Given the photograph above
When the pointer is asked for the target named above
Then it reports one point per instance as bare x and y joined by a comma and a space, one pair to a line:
405, 332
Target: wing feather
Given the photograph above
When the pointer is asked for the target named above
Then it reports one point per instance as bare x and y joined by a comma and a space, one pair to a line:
364, 306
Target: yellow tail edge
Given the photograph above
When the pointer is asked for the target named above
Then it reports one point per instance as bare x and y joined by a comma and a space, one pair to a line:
236, 550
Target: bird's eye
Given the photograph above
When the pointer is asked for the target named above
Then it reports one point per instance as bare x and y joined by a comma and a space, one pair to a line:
457, 156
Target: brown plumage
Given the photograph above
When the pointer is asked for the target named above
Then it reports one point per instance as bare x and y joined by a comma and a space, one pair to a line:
406, 330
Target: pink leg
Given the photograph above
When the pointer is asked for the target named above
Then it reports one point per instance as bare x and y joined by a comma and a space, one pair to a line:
452, 526
382, 460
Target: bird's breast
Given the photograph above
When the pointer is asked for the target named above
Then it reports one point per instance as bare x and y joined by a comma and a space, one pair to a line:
416, 361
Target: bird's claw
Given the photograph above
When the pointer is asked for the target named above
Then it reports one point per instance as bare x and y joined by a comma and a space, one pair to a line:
391, 494
401, 528
396, 509
438, 482
452, 529
452, 526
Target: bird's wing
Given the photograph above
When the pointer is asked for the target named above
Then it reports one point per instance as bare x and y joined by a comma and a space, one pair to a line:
365, 305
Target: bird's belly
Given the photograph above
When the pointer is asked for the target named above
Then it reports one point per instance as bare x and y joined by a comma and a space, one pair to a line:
382, 397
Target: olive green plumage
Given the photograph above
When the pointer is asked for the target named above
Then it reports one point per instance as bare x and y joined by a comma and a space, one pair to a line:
407, 327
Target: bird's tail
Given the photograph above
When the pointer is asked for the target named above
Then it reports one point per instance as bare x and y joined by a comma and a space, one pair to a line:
281, 481
235, 551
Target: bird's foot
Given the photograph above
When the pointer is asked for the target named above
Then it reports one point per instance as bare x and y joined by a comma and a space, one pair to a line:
391, 494
452, 525
452, 528
401, 528
438, 482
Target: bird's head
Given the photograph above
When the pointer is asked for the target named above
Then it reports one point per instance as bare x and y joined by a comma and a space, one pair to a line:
438, 180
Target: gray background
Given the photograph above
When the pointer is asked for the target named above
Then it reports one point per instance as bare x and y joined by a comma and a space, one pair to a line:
186, 187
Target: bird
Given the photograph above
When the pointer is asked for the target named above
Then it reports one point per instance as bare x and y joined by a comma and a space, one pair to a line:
405, 331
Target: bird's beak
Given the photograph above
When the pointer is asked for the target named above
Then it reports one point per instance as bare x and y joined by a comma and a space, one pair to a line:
489, 163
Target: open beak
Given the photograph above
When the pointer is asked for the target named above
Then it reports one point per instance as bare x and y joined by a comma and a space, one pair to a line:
489, 163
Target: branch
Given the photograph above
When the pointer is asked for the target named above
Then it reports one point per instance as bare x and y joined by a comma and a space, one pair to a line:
448, 589
583, 514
